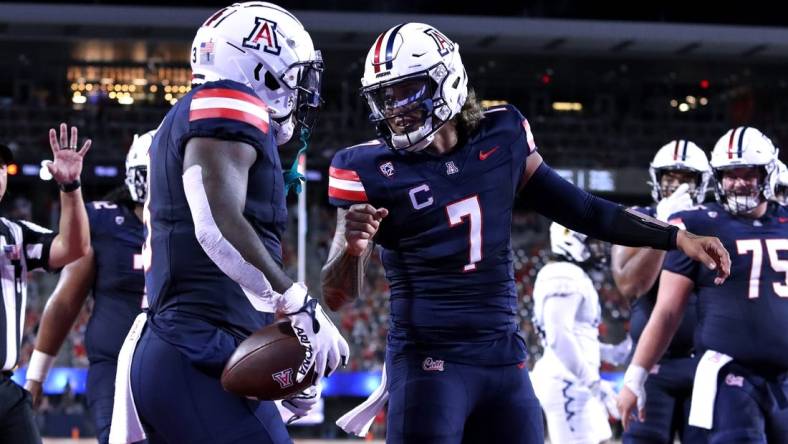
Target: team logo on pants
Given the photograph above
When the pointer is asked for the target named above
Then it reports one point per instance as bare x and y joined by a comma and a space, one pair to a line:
432, 365
284, 378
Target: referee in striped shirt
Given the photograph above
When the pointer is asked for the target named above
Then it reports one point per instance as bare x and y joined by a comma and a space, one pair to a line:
24, 247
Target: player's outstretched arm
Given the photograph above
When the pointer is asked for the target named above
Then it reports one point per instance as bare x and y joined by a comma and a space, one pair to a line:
73, 238
674, 292
59, 315
635, 270
342, 276
548, 193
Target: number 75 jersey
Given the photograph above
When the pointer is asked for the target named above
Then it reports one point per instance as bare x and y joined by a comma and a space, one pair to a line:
446, 243
745, 317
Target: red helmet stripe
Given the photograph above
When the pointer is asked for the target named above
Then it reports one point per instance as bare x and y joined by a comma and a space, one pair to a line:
376, 58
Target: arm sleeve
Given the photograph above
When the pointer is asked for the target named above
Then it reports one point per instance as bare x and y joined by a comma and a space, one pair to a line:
559, 318
36, 243
551, 195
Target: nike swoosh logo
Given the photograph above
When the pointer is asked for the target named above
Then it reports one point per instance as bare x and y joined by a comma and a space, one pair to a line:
483, 155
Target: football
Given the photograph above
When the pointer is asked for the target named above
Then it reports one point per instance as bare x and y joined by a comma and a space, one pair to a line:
264, 366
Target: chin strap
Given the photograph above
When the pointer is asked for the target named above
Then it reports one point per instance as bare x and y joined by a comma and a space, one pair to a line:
293, 178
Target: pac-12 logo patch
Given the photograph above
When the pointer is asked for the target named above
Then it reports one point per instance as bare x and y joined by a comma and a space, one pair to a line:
387, 169
432, 365
263, 33
284, 378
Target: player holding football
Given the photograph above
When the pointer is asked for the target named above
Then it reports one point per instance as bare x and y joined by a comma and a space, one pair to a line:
740, 384
680, 174
436, 192
214, 217
112, 271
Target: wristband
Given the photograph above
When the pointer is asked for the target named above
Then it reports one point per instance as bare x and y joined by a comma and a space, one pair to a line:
40, 364
69, 187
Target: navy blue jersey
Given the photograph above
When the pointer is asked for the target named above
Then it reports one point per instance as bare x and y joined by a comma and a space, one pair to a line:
683, 341
746, 316
189, 295
116, 235
446, 243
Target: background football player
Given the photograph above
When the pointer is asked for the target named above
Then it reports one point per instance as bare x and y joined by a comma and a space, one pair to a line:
680, 174
112, 272
214, 218
567, 315
436, 192
741, 324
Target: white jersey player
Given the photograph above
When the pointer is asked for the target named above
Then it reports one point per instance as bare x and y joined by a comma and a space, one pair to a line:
567, 314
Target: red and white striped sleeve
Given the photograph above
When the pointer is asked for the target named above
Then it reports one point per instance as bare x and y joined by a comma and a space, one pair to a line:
224, 110
345, 187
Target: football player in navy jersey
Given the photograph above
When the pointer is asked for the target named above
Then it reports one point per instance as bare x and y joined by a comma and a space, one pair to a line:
740, 384
680, 174
436, 192
112, 271
214, 217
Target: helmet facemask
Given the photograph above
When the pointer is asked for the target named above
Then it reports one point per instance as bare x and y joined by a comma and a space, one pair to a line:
408, 111
692, 178
741, 200
137, 183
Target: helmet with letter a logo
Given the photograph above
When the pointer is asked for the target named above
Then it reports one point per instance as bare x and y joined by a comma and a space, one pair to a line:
414, 82
744, 148
265, 47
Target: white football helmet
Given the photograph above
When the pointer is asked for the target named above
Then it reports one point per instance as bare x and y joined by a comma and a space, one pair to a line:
744, 147
137, 166
266, 48
414, 76
680, 155
575, 247
781, 184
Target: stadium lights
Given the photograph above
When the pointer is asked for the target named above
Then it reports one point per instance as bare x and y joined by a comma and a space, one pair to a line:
78, 98
567, 106
13, 169
491, 103
704, 101
684, 107
125, 99
674, 103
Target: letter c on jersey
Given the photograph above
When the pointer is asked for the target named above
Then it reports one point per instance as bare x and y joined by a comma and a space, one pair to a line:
420, 202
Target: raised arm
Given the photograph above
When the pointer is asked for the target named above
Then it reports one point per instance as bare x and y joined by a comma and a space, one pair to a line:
73, 238
342, 276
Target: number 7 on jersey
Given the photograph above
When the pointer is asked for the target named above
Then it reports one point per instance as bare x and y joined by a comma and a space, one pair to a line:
468, 208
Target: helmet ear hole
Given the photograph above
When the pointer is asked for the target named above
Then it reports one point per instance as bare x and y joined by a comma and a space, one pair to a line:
271, 82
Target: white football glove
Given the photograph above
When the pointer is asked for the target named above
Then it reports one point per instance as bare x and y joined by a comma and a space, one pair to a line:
616, 354
680, 200
325, 346
301, 403
608, 396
